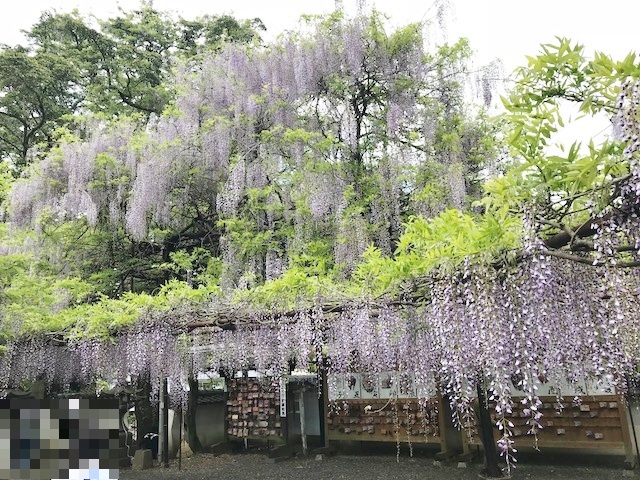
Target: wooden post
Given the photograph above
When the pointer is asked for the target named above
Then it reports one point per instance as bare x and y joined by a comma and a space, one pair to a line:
180, 440
303, 432
448, 434
161, 414
626, 420
164, 425
324, 407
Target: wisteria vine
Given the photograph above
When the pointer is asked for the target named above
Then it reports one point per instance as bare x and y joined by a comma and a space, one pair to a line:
541, 321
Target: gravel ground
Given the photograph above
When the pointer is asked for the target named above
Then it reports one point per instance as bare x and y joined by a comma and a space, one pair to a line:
245, 466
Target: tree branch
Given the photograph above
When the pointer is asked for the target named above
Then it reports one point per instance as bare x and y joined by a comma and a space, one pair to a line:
588, 261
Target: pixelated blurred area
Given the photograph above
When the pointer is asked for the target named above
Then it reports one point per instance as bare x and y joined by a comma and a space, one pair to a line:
46, 439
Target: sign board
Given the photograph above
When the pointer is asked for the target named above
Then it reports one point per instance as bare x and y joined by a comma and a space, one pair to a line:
283, 397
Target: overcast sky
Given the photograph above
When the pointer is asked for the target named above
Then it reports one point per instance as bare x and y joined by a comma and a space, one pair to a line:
505, 29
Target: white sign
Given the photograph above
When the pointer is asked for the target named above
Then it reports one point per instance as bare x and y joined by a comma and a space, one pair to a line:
390, 384
283, 397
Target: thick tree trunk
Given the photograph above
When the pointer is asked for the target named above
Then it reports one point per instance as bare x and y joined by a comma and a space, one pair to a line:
192, 406
145, 418
492, 469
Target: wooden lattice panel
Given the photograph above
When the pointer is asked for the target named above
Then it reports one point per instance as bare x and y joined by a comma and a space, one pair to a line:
253, 409
598, 421
373, 420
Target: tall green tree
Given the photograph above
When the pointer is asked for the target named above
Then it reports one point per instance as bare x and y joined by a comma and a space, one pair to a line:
126, 61
299, 154
118, 66
37, 92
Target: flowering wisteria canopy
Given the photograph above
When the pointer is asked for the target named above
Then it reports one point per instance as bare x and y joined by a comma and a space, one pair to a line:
320, 117
543, 319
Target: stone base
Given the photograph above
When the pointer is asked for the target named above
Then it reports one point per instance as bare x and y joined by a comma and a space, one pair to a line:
142, 460
185, 450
